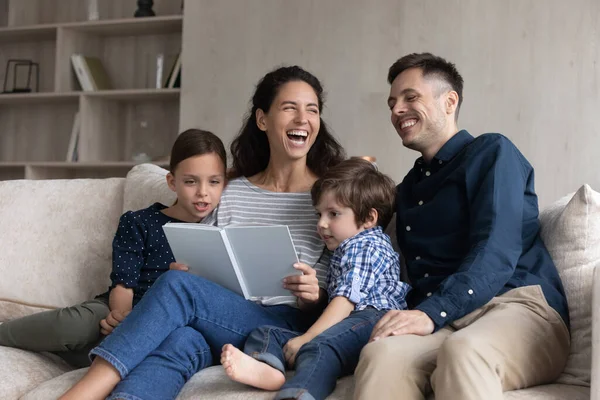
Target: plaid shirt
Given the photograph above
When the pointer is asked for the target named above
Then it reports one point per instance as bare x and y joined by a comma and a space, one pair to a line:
366, 270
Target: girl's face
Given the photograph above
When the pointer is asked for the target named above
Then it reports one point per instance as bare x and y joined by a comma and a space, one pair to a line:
293, 121
198, 182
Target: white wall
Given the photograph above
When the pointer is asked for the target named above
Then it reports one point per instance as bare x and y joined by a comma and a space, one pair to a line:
530, 68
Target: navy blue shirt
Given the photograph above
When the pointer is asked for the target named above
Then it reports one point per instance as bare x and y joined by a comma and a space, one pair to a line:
467, 225
141, 252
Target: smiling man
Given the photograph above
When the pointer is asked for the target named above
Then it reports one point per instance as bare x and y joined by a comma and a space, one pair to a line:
488, 311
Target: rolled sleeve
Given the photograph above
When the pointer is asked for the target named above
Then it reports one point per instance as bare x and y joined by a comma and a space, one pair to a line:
355, 279
495, 240
128, 252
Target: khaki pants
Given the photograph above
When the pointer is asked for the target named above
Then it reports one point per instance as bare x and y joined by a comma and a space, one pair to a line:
68, 332
515, 341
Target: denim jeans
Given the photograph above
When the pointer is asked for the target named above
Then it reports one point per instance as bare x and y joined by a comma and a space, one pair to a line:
320, 362
178, 328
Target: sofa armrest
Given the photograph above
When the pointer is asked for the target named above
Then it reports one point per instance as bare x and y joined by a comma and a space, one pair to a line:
595, 373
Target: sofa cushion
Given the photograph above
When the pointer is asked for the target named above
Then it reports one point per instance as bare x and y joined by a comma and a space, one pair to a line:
550, 392
21, 371
209, 384
571, 231
213, 384
146, 184
56, 240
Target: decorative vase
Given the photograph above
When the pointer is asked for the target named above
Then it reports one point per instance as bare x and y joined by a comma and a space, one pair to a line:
144, 9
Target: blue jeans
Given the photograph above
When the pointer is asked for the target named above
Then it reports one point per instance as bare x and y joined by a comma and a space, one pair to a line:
178, 328
320, 362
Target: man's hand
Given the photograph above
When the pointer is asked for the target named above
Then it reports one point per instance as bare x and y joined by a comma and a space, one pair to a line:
291, 349
402, 322
305, 287
112, 320
178, 267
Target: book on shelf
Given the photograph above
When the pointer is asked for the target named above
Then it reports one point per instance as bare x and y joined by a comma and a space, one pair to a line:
250, 260
160, 63
72, 151
164, 67
173, 80
90, 73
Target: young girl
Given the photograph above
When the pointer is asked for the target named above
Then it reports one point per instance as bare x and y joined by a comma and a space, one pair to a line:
140, 255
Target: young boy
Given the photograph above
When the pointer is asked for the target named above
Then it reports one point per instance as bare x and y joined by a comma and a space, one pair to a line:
354, 202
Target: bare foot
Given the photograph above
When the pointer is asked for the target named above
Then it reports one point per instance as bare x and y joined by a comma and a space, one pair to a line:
244, 369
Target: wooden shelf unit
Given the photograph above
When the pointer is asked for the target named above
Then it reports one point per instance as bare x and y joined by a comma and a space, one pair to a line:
117, 126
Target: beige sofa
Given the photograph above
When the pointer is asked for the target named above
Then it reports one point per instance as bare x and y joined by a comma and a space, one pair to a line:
55, 241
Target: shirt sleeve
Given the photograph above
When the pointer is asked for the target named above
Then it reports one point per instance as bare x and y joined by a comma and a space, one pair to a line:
321, 267
495, 238
359, 266
128, 251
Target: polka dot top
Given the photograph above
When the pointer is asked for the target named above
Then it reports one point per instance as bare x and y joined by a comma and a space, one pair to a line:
141, 252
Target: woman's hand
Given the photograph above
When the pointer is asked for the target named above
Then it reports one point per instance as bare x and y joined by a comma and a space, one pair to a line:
306, 286
291, 349
178, 267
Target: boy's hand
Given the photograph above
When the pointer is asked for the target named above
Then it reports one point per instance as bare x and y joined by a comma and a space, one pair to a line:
178, 267
306, 286
291, 349
112, 320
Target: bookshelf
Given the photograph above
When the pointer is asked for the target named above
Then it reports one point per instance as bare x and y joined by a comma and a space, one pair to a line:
118, 125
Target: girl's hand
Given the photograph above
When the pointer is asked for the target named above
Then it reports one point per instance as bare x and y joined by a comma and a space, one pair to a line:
306, 286
178, 267
291, 349
112, 320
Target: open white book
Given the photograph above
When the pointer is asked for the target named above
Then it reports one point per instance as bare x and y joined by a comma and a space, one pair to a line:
250, 260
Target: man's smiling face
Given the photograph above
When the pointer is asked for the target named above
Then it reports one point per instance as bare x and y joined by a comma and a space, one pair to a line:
417, 108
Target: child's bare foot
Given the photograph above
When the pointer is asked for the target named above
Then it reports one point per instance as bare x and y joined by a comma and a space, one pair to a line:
244, 369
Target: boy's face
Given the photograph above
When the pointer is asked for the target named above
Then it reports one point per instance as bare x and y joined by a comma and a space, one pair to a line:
336, 222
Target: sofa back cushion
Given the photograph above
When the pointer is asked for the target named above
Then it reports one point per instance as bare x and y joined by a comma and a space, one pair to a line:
571, 232
145, 185
56, 242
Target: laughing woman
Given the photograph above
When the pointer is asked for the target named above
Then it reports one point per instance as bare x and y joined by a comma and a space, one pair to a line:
180, 326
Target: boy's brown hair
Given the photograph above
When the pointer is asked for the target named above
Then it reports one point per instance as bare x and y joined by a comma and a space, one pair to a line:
357, 184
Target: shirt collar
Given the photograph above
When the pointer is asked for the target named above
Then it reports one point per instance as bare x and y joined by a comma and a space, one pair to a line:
454, 145
450, 149
375, 231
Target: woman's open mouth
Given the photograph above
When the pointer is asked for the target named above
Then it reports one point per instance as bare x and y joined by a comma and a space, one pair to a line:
297, 137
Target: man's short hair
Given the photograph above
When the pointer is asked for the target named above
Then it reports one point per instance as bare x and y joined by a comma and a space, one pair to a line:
431, 66
357, 184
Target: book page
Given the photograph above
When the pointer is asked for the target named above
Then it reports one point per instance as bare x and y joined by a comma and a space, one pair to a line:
203, 249
265, 255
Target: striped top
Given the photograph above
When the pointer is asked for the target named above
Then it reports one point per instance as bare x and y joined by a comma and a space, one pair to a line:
244, 203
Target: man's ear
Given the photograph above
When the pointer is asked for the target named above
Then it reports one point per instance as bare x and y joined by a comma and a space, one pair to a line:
171, 181
261, 120
371, 219
451, 102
